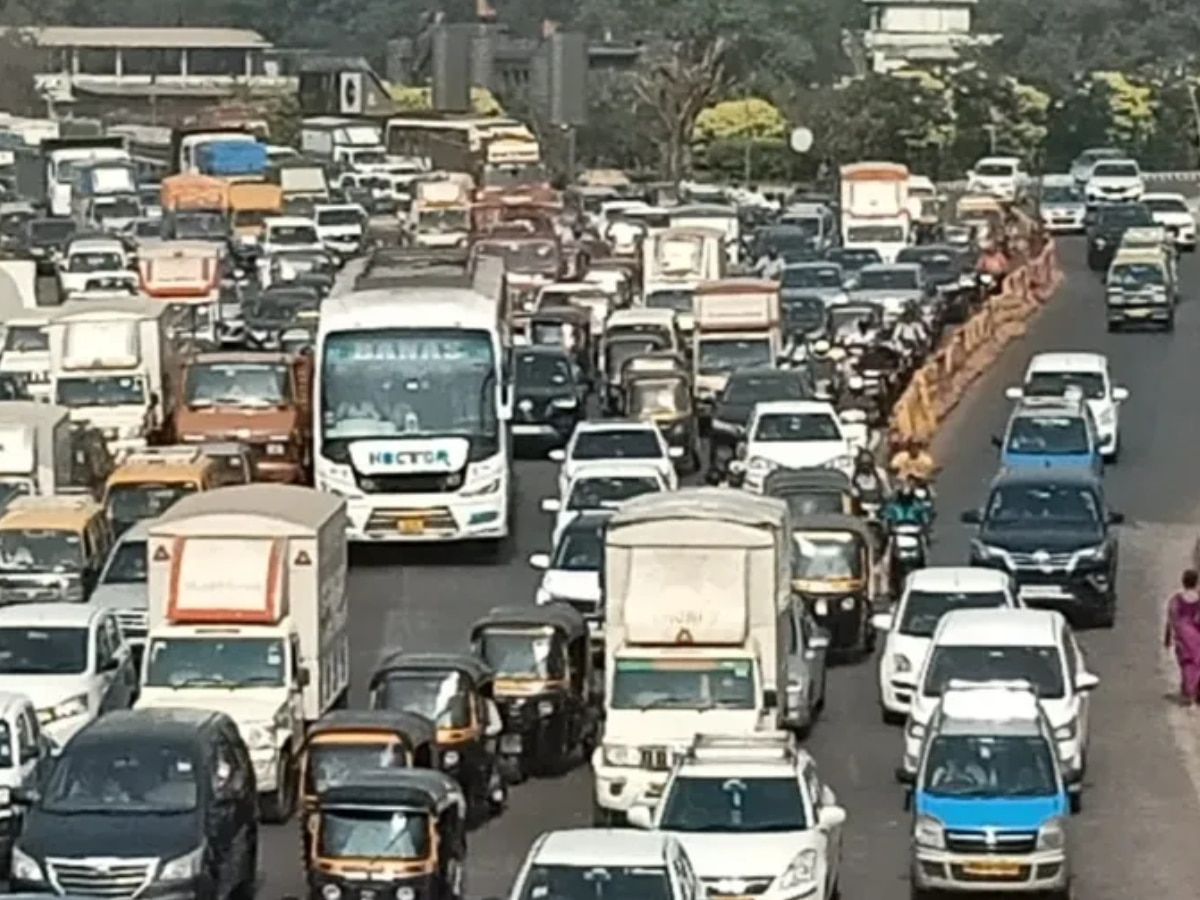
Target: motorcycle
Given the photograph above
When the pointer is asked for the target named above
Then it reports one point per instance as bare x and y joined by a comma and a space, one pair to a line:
909, 551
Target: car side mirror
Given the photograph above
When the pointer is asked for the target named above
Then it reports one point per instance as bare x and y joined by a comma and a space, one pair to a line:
558, 455
540, 561
1013, 393
883, 621
1086, 681
154, 399
640, 817
831, 817
1116, 518
971, 517
997, 441
303, 677
25, 796
551, 505
1120, 394
904, 776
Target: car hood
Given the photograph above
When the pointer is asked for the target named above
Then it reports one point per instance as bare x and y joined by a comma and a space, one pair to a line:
1031, 540
45, 691
1009, 813
752, 856
578, 586
121, 596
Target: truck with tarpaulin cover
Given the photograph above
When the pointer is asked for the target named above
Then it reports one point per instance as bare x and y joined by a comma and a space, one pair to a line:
875, 207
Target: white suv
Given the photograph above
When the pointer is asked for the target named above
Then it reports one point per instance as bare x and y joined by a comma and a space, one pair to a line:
909, 626
616, 441
1114, 180
1054, 374
754, 816
1001, 176
1033, 645
797, 434
1172, 212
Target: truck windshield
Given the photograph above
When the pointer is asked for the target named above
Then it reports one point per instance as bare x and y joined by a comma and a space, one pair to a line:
215, 662
128, 564
440, 696
126, 779
410, 383
699, 683
733, 805
43, 651
129, 503
990, 766
597, 883
197, 226
79, 392
258, 385
718, 356
87, 261
35, 551
363, 833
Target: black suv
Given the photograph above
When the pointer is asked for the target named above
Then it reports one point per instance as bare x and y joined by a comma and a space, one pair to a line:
154, 803
1051, 530
549, 395
734, 405
1106, 225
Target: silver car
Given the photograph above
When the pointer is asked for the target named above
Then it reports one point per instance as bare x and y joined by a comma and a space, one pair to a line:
823, 280
893, 287
1063, 208
1081, 169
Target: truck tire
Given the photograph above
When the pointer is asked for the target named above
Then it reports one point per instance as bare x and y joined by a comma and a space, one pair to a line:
277, 807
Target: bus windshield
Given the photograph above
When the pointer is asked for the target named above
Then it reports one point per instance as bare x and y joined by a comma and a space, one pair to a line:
409, 382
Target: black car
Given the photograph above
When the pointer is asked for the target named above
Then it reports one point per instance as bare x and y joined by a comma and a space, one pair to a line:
45, 240
734, 405
949, 272
1051, 529
1106, 225
853, 259
154, 803
549, 395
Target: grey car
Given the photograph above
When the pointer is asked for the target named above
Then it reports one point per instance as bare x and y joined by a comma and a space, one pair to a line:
122, 585
1081, 169
893, 287
1063, 207
823, 280
808, 651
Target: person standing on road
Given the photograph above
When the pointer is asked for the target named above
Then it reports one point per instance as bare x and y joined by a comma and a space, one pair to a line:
1183, 633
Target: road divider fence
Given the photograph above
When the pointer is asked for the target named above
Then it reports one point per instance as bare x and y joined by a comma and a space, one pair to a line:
940, 384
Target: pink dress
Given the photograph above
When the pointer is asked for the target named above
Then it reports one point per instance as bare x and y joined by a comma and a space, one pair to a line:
1183, 624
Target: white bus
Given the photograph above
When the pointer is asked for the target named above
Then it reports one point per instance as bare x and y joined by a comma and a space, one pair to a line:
412, 416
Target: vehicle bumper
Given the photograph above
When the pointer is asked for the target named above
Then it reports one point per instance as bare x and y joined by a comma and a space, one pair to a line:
279, 471
176, 890
63, 730
620, 789
431, 518
1078, 590
896, 695
844, 624
1063, 226
939, 870
1150, 314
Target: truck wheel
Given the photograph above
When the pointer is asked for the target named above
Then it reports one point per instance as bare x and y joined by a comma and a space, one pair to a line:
277, 807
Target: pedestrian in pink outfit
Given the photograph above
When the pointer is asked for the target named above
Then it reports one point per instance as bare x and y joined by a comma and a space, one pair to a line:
1183, 633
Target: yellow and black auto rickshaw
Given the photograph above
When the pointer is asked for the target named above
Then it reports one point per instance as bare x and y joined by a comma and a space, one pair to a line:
663, 395
387, 834
545, 686
568, 327
455, 691
839, 574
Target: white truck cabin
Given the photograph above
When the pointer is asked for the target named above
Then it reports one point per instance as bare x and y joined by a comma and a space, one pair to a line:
36, 449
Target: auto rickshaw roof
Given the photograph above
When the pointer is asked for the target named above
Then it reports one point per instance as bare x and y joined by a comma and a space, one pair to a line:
782, 482
426, 789
559, 616
833, 522
413, 727
464, 663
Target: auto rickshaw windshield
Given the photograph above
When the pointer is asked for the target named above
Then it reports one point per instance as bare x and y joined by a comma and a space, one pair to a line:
359, 832
522, 653
440, 696
330, 764
668, 395
827, 556
815, 503
620, 352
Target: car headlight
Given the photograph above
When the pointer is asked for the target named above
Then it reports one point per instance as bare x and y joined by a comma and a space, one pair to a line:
760, 465
72, 706
183, 867
331, 892
1052, 835
983, 551
542, 597
545, 708
621, 756
1091, 554
803, 870
260, 737
481, 490
928, 832
1067, 732
450, 758
25, 867
848, 603
1107, 417
901, 664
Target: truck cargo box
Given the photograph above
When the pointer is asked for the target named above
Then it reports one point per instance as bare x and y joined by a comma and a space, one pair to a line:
737, 305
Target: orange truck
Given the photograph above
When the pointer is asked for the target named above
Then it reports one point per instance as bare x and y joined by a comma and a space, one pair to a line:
250, 204
195, 192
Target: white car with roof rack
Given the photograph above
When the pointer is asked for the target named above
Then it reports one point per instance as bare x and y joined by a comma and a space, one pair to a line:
798, 434
602, 486
754, 816
908, 627
1035, 645
1171, 211
615, 441
1054, 374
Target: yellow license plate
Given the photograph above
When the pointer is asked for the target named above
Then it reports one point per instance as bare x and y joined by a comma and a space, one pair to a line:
411, 526
1139, 313
998, 868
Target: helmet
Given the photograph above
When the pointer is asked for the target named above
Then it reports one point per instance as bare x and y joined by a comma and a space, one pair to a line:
821, 347
864, 458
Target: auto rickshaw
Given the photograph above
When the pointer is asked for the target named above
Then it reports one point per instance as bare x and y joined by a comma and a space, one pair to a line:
568, 327
402, 832
615, 352
545, 687
455, 690
813, 491
839, 573
664, 397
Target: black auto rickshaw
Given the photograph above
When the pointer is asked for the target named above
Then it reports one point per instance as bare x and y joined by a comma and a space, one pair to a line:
544, 687
388, 833
813, 491
615, 352
568, 327
664, 396
455, 691
839, 573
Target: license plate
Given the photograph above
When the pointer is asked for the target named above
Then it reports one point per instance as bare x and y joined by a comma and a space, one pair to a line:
1042, 590
995, 868
510, 743
412, 525
1139, 313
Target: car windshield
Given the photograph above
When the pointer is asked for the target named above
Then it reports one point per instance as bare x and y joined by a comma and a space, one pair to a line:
931, 262
43, 651
960, 765
596, 883
700, 683
1136, 275
128, 564
814, 503
924, 609
51, 231
94, 262
26, 339
616, 443
889, 279
812, 277
34, 551
1041, 666
521, 653
128, 503
128, 778
77, 392
996, 169
292, 235
747, 389
1049, 436
244, 384
579, 550
821, 557
1022, 506
809, 226
335, 762
1115, 170
1061, 193
803, 313
679, 301
339, 217
373, 834
1125, 215
212, 661
717, 356
541, 370
790, 427
1167, 205
443, 697
1056, 384
607, 492
734, 805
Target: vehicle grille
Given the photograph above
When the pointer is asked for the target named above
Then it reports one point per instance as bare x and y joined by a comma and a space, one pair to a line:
433, 521
657, 759
1049, 561
133, 622
1001, 843
100, 876
422, 483
748, 888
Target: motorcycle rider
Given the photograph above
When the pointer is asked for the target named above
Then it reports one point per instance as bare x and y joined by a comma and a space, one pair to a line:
862, 334
910, 332
914, 464
866, 478
906, 508
770, 264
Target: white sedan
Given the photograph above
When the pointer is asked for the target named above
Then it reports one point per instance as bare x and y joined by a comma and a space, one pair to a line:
798, 434
572, 568
1172, 212
616, 441
602, 486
